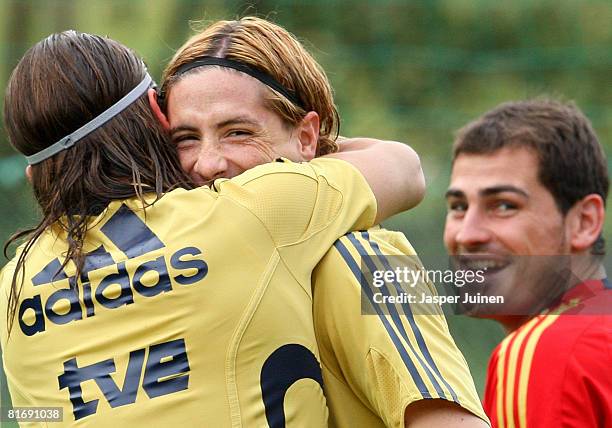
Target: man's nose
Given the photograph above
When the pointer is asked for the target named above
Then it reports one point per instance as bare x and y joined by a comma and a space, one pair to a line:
211, 164
473, 233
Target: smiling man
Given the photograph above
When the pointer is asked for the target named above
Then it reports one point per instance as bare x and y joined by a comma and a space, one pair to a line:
244, 93
234, 132
526, 205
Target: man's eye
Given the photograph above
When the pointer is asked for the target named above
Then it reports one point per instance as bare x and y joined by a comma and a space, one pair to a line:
457, 207
504, 207
183, 142
238, 133
181, 138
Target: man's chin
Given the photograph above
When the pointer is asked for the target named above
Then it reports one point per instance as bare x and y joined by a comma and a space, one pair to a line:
522, 287
493, 296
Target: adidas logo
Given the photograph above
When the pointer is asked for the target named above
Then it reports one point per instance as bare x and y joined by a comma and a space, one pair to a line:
132, 237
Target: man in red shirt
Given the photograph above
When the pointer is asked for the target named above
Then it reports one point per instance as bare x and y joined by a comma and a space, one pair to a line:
526, 205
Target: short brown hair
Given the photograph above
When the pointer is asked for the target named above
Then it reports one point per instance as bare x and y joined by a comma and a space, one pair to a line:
269, 48
572, 163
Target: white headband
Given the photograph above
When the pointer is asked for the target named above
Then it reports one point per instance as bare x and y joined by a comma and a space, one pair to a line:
95, 123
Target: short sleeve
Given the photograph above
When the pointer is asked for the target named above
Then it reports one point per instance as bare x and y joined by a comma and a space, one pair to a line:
304, 206
390, 357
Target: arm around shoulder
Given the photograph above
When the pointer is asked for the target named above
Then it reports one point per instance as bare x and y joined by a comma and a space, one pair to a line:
393, 171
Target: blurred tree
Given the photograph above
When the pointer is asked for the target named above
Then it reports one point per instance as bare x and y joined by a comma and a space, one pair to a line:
412, 71
14, 37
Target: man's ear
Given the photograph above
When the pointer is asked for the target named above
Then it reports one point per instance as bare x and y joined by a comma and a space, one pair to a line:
585, 220
157, 111
28, 173
308, 135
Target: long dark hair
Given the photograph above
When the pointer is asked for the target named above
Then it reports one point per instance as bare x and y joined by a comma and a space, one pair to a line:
60, 84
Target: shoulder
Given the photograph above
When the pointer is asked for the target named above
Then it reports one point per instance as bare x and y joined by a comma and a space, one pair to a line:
583, 320
566, 338
322, 181
375, 241
6, 276
577, 349
590, 339
328, 168
367, 255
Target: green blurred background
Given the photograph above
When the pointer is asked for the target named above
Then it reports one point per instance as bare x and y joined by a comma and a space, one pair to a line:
412, 71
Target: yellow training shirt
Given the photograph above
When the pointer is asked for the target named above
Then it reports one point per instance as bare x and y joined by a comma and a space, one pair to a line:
377, 363
194, 312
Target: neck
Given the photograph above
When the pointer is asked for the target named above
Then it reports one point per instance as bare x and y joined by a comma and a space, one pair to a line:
513, 322
584, 267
